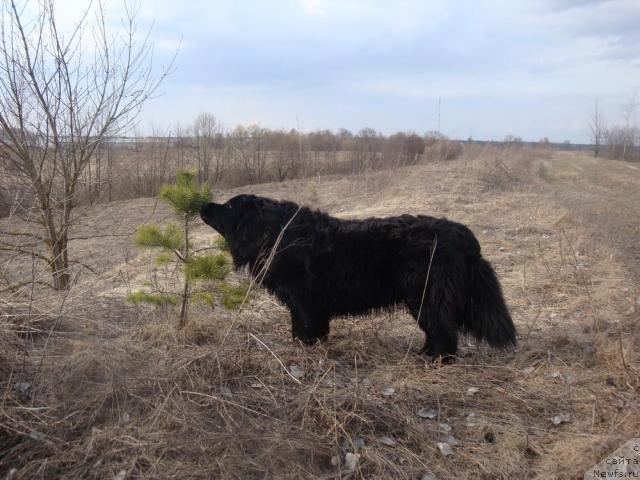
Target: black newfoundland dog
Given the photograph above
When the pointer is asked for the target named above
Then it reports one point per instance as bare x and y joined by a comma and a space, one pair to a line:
324, 267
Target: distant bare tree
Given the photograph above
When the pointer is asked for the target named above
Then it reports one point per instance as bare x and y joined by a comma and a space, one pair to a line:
103, 173
61, 95
597, 129
317, 146
286, 147
367, 145
628, 114
250, 148
331, 146
210, 152
393, 149
512, 141
182, 145
414, 148
620, 141
259, 149
545, 144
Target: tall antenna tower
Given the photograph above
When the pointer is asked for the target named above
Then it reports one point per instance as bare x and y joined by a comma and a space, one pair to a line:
439, 115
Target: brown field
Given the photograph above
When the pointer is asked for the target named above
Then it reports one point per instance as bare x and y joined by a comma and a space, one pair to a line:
91, 387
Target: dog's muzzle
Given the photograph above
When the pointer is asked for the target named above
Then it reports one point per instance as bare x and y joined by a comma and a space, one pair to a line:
211, 214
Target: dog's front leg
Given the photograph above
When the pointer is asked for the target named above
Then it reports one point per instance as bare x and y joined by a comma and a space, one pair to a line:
307, 326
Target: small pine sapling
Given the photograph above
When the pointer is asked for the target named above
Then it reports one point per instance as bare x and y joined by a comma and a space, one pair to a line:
186, 197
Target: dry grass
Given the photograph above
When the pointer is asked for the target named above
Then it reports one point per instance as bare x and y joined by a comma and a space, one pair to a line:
90, 387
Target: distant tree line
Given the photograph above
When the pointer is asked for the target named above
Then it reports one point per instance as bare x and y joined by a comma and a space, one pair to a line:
257, 154
127, 167
138, 166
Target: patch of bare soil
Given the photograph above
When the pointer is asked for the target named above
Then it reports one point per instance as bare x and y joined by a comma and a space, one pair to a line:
94, 388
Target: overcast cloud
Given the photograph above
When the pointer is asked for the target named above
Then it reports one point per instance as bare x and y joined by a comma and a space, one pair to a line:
528, 68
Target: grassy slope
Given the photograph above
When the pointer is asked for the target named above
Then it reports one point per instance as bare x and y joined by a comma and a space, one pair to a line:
118, 389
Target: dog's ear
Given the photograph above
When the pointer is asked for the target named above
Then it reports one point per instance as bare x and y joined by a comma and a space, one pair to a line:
274, 214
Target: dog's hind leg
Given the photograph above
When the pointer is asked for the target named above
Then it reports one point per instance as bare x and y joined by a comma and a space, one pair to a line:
441, 337
437, 316
441, 340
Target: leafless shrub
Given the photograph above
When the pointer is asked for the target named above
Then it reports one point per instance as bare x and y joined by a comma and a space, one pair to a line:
497, 176
621, 142
597, 129
504, 168
402, 149
440, 147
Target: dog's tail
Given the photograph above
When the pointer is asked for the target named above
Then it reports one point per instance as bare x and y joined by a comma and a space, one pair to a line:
487, 316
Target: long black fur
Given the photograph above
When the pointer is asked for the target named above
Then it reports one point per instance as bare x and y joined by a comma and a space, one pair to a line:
325, 267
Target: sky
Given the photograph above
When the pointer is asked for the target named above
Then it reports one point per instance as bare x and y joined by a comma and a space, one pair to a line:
529, 68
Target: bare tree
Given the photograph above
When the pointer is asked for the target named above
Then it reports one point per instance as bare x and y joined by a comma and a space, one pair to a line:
286, 150
182, 143
628, 113
210, 152
61, 95
250, 148
622, 139
393, 149
597, 128
366, 148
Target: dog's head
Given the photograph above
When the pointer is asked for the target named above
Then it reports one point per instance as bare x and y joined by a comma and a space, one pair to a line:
249, 224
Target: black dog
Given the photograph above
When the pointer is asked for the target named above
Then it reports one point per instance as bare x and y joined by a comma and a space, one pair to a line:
324, 267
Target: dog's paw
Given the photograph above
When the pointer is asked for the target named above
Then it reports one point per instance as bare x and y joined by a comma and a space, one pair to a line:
437, 359
310, 341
